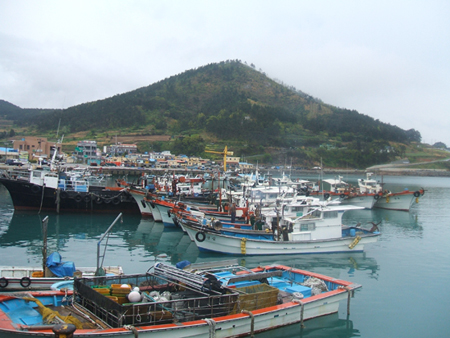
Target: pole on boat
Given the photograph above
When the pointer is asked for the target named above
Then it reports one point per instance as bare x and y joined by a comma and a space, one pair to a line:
101, 239
44, 247
58, 199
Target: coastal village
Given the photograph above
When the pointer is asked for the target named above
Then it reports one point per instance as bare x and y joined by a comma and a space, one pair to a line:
40, 150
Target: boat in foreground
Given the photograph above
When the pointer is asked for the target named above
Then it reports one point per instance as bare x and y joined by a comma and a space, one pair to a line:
210, 300
53, 269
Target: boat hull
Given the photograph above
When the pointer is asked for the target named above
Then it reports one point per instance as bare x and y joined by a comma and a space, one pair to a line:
13, 278
241, 245
398, 201
29, 196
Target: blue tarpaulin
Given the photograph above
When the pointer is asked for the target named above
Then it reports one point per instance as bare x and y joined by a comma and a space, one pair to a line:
59, 268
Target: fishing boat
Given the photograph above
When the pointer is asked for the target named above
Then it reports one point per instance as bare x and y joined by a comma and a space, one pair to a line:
48, 190
363, 195
401, 201
54, 269
189, 300
319, 230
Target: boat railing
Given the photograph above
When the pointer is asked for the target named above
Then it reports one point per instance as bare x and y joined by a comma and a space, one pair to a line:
165, 301
73, 185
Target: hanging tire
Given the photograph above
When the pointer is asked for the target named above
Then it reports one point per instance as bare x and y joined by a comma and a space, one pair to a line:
377, 197
107, 200
326, 196
116, 200
78, 198
87, 198
35, 189
416, 193
3, 282
342, 195
25, 282
63, 195
98, 200
200, 236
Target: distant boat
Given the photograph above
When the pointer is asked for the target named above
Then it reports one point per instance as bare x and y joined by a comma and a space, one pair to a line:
401, 201
44, 189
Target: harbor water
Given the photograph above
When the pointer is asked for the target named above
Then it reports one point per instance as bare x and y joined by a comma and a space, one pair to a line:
404, 276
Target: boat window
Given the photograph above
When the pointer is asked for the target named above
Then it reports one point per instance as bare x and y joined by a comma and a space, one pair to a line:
308, 227
316, 214
330, 214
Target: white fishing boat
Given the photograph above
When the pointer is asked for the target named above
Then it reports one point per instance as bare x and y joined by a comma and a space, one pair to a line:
54, 269
401, 201
318, 231
204, 301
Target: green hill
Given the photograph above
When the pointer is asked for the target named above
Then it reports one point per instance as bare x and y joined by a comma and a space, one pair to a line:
230, 103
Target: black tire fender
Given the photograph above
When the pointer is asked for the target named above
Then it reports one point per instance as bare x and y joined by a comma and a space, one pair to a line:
87, 198
200, 236
35, 189
326, 196
78, 198
3, 282
342, 195
377, 197
416, 193
25, 282
116, 200
63, 195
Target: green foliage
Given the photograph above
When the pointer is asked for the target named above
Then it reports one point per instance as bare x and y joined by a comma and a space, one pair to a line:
190, 146
228, 102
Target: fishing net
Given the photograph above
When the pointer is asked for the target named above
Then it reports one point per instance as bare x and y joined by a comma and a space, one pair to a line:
53, 317
317, 285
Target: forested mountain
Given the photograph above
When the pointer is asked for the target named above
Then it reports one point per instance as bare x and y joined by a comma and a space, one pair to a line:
225, 101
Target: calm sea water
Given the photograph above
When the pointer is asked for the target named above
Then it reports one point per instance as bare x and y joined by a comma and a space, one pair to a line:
405, 275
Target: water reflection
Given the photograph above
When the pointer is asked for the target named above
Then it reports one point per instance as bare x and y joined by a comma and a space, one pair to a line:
322, 327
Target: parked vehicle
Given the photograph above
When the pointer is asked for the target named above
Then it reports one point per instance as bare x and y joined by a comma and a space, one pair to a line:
13, 162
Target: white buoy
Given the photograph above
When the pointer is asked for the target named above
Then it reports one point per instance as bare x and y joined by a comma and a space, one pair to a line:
134, 297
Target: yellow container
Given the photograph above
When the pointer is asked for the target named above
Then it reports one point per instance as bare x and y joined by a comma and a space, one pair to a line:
37, 274
103, 291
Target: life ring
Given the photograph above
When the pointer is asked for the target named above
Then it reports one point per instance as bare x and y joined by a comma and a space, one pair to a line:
200, 236
342, 195
98, 200
87, 198
416, 193
63, 195
3, 282
326, 196
377, 197
35, 189
25, 282
116, 200
78, 198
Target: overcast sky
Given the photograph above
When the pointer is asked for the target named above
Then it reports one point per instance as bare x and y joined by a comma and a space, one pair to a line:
386, 59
